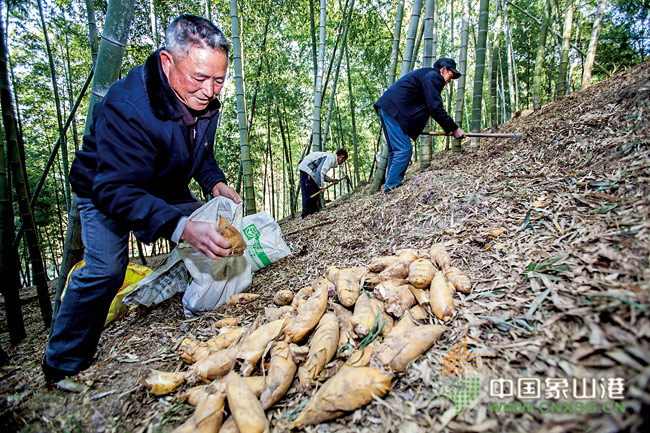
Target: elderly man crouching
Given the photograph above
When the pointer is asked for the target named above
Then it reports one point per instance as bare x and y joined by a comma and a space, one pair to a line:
150, 135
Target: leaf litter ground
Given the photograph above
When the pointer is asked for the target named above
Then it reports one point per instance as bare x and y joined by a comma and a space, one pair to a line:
553, 231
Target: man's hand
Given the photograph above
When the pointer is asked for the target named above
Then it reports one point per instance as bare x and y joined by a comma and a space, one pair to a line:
223, 190
205, 239
335, 181
459, 133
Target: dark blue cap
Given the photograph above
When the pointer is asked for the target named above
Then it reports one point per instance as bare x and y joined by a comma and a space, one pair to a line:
450, 64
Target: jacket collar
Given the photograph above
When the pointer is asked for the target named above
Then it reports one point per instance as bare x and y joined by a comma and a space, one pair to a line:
164, 103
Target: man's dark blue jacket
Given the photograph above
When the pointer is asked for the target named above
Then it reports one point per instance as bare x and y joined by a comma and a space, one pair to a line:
414, 98
138, 159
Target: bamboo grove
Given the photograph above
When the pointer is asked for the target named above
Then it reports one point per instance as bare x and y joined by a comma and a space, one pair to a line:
303, 76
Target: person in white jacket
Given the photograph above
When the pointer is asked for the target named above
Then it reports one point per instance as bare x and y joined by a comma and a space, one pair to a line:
313, 172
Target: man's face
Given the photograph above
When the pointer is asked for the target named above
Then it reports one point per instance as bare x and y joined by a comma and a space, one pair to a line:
196, 79
341, 159
446, 74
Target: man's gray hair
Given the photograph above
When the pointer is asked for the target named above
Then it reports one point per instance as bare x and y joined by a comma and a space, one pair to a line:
189, 31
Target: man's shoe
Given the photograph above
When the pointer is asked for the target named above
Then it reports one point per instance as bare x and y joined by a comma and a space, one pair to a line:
53, 375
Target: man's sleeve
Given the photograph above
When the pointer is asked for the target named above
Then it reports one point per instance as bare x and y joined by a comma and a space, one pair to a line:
436, 107
125, 163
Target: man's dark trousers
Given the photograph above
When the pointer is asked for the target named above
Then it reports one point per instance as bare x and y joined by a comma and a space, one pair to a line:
308, 188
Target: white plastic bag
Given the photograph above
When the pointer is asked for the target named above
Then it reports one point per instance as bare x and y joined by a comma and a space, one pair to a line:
214, 281
264, 243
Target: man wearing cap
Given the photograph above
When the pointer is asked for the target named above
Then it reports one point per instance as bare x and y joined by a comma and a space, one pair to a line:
404, 110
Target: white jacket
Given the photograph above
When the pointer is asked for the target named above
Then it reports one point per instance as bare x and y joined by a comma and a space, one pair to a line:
317, 164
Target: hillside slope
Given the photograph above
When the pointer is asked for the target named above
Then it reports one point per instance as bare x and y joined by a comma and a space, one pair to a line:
561, 293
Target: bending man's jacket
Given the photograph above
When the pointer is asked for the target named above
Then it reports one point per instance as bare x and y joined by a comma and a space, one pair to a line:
140, 154
317, 164
414, 98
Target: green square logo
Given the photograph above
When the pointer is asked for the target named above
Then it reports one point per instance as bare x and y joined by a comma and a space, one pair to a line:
251, 232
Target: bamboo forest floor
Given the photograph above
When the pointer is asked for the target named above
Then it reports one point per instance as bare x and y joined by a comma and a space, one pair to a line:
554, 233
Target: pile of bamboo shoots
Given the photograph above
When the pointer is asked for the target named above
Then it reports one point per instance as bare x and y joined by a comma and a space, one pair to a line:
344, 337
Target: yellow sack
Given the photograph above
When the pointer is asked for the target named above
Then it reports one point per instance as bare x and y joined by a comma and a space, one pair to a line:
134, 273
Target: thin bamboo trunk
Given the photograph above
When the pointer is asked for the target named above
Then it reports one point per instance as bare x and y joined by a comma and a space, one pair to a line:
143, 259
287, 156
462, 65
22, 197
355, 149
564, 52
92, 30
426, 141
410, 38
512, 71
477, 95
258, 75
75, 135
268, 139
450, 88
539, 59
312, 24
593, 45
339, 33
380, 172
57, 103
21, 143
416, 49
9, 262
247, 171
336, 76
494, 121
153, 19
318, 95
54, 152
